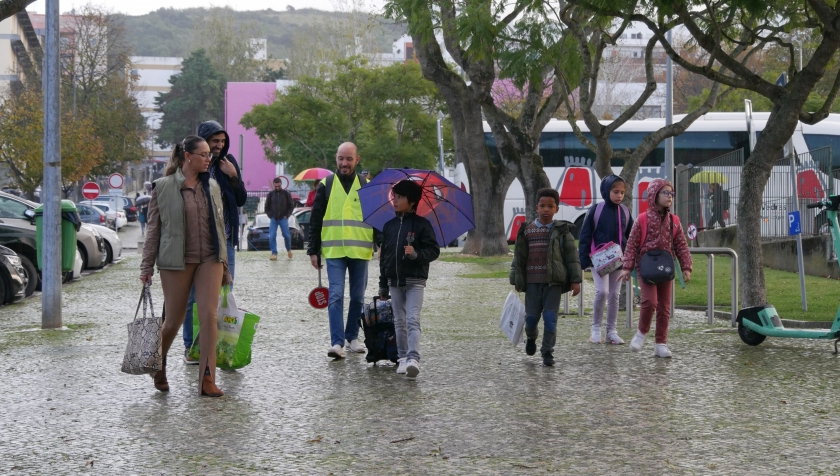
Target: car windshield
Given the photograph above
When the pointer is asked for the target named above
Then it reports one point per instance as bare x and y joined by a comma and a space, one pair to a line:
107, 199
12, 208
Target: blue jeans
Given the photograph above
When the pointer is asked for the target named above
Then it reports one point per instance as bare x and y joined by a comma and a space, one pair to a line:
187, 330
541, 298
406, 303
283, 223
357, 269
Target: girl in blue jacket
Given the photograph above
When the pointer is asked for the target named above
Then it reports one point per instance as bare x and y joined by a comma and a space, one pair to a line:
612, 223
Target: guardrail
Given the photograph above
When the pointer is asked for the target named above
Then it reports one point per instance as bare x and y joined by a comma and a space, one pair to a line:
710, 281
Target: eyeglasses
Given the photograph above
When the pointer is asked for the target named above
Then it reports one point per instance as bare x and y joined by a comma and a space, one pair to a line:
669, 194
205, 155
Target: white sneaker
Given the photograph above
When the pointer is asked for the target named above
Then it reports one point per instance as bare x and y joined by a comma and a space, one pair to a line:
613, 338
595, 336
637, 341
356, 346
401, 363
412, 368
336, 352
661, 350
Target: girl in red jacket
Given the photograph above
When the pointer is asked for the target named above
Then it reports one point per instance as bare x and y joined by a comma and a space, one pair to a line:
662, 231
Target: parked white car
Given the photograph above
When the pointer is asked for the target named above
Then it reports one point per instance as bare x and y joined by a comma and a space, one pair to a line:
117, 217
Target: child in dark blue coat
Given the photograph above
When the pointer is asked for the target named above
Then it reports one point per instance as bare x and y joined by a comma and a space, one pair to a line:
606, 222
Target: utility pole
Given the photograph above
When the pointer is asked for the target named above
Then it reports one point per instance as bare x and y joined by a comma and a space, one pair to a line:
50, 189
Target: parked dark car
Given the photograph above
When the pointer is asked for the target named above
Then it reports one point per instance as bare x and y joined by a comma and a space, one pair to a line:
257, 235
300, 221
92, 215
13, 277
127, 205
18, 233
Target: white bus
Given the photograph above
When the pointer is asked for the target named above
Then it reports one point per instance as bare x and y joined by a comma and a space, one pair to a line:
569, 165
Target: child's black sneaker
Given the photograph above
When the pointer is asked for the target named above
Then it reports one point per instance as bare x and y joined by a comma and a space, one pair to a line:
548, 359
530, 346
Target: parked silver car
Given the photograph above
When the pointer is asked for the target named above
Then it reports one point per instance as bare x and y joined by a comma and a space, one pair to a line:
91, 246
111, 242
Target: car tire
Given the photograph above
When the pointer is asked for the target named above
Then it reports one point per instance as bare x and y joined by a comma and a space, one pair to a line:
5, 295
34, 280
84, 255
109, 253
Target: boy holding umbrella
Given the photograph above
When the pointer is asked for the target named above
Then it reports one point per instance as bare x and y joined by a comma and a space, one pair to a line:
408, 246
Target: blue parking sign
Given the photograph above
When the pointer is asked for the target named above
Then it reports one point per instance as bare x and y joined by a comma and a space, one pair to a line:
793, 223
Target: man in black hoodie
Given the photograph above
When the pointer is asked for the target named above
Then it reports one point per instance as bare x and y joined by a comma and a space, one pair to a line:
225, 170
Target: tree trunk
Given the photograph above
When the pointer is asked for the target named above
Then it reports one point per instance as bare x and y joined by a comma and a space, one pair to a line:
488, 181
533, 178
488, 184
757, 170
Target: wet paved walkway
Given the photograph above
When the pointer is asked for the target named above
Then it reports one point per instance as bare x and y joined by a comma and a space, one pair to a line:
479, 406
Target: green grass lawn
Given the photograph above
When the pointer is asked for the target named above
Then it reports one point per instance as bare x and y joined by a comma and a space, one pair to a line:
823, 294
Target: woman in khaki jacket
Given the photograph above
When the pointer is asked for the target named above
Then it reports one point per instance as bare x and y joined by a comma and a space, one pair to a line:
185, 222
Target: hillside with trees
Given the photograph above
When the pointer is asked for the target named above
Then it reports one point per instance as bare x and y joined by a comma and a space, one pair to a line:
171, 32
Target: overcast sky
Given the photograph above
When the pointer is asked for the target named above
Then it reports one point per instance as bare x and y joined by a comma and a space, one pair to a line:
140, 7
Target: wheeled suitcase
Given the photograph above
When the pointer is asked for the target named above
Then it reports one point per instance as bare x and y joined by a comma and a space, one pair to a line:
378, 326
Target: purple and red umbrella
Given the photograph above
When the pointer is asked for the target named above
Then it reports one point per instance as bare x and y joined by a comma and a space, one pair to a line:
448, 208
313, 174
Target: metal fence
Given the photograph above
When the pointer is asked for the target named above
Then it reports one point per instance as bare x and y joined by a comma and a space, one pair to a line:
255, 203
790, 187
697, 202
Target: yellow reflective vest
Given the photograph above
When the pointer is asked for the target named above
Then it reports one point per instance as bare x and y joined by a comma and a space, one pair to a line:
343, 233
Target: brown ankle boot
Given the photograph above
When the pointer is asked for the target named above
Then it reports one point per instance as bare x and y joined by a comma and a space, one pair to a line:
208, 386
160, 378
160, 381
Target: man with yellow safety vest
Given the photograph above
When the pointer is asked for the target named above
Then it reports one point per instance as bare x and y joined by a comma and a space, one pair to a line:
338, 233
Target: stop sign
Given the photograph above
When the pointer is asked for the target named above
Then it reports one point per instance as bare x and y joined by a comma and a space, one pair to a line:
90, 190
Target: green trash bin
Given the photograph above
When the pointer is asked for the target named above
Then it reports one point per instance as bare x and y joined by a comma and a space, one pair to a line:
70, 224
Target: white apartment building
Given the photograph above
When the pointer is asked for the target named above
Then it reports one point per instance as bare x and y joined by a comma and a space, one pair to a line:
20, 49
153, 73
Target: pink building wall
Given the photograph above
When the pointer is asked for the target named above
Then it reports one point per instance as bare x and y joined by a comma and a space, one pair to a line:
257, 171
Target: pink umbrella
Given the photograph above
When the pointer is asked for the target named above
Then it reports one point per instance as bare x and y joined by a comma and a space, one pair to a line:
313, 174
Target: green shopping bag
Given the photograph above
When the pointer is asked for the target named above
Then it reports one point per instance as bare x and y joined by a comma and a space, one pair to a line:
236, 332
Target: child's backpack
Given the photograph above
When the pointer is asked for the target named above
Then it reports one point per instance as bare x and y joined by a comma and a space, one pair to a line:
600, 208
378, 325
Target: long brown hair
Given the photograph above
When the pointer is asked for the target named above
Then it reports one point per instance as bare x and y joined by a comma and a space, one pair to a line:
176, 161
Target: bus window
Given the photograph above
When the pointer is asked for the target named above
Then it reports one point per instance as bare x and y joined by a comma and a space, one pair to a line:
816, 141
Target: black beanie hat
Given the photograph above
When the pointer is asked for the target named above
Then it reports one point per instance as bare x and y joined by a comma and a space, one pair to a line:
409, 189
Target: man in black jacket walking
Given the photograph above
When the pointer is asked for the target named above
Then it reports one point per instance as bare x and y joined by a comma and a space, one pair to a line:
278, 207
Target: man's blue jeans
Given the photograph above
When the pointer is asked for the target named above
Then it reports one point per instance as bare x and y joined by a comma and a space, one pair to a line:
283, 223
187, 330
357, 269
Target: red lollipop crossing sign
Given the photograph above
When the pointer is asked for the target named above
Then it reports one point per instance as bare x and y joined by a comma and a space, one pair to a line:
90, 190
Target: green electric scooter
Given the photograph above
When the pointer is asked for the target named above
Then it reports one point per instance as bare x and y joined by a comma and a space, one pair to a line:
756, 323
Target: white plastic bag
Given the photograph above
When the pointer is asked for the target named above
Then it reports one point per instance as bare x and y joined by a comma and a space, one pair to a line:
512, 321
